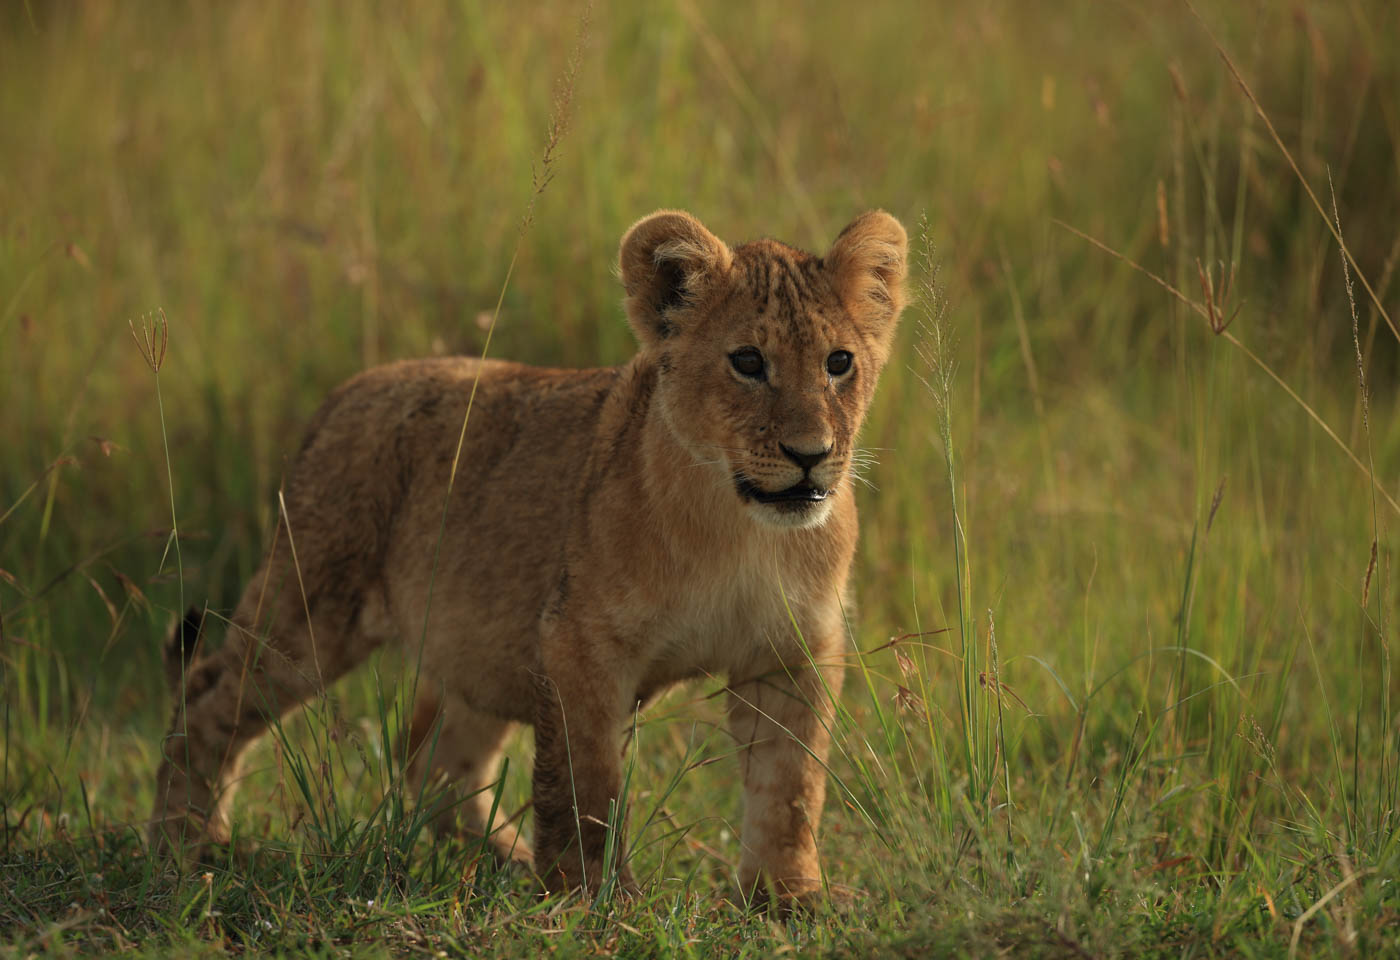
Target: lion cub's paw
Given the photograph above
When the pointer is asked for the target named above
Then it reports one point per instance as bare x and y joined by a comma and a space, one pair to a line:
809, 902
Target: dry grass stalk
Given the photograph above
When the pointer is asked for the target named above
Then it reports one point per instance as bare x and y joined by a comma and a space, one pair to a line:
1288, 155
1235, 341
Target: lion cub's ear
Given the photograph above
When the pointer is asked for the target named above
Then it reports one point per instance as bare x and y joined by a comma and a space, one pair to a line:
668, 260
868, 265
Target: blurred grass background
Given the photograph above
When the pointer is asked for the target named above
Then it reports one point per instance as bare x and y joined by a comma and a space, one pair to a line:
309, 189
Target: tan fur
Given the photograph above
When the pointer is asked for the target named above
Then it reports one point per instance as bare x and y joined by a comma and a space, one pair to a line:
606, 538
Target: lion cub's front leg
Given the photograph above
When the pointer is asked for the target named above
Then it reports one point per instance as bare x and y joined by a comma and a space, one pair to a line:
783, 724
580, 713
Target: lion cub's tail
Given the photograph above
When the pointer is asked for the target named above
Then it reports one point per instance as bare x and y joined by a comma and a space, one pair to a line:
180, 649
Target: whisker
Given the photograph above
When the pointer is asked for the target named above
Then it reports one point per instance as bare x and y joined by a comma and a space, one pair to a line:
857, 477
857, 473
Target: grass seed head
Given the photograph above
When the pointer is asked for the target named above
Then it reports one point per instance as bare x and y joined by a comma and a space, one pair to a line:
153, 338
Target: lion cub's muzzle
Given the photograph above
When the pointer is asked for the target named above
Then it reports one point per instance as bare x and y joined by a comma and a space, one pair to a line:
799, 502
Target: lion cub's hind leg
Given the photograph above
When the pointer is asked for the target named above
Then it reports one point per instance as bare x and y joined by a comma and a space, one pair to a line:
450, 741
268, 665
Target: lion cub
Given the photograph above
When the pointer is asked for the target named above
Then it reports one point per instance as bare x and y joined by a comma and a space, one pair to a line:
612, 532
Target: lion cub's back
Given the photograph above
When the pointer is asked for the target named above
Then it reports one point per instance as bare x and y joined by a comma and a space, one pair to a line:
365, 495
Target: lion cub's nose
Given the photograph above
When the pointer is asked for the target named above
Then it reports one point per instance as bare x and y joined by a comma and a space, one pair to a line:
805, 460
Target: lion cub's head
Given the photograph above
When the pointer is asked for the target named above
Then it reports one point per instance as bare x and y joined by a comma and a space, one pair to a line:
767, 356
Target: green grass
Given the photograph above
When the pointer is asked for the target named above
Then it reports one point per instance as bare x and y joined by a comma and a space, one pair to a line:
1195, 751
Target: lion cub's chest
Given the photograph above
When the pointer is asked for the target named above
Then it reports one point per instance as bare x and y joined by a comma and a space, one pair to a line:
728, 620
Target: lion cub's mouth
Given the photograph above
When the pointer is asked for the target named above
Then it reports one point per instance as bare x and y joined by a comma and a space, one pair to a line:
797, 493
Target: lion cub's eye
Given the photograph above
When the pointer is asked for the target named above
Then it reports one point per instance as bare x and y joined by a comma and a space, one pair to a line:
838, 363
747, 361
